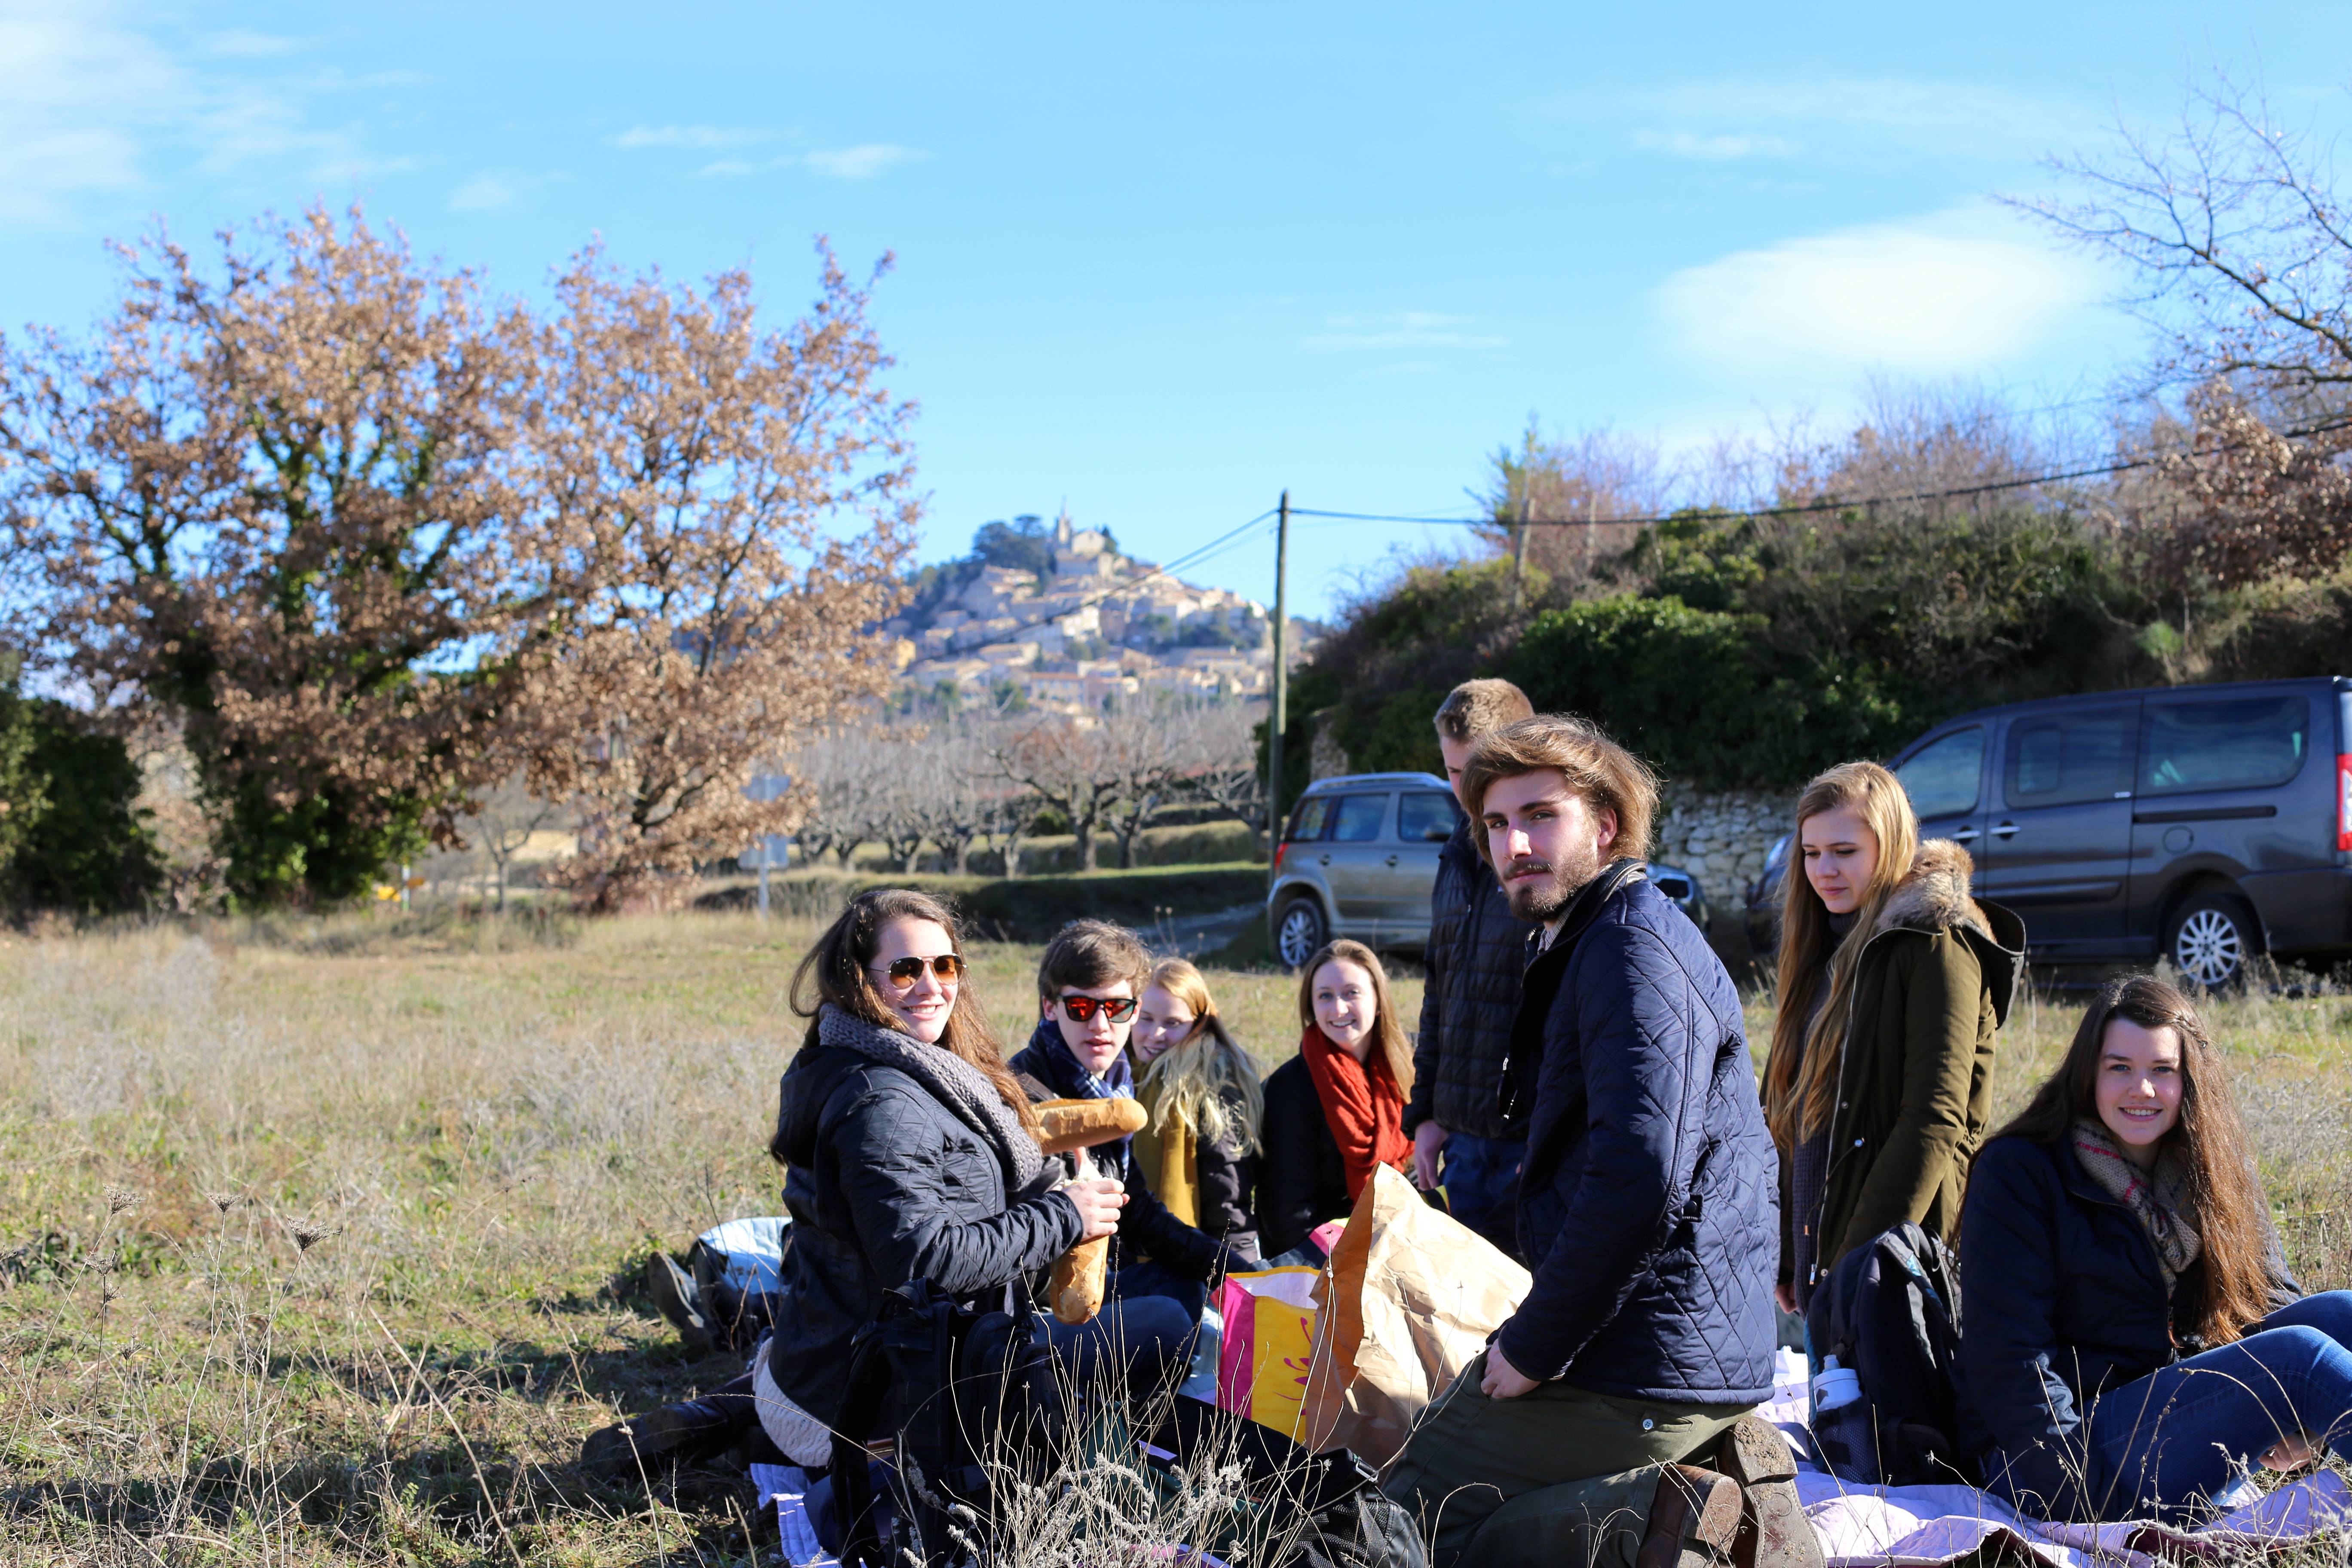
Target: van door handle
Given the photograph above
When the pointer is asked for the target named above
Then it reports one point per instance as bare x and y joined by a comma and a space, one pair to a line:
1325, 861
2006, 830
1392, 859
1967, 835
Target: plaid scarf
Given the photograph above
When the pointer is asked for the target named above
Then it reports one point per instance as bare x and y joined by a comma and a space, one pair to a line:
2158, 1198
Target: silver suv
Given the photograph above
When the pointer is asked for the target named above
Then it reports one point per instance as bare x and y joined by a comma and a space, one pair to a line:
1360, 856
1358, 860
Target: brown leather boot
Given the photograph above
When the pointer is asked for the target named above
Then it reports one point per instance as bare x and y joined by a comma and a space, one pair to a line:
1773, 1529
1694, 1519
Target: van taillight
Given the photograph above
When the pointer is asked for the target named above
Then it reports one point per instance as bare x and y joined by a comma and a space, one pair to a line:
2343, 802
1284, 848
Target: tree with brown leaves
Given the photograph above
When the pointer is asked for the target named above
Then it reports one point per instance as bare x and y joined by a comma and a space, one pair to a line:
690, 475
273, 498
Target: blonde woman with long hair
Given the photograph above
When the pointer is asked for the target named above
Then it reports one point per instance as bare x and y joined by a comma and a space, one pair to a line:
1199, 1148
1893, 982
1335, 1112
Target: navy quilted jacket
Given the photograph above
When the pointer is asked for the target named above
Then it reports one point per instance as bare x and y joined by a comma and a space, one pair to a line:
1649, 1205
1469, 995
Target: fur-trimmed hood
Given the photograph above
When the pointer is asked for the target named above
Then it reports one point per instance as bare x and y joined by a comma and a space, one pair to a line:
1934, 897
1934, 894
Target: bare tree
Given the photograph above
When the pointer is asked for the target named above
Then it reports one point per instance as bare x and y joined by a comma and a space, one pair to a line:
1222, 771
1067, 766
1549, 500
691, 469
2244, 253
502, 825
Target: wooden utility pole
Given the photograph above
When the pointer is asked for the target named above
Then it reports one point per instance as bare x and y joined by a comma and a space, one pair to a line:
1519, 542
1281, 717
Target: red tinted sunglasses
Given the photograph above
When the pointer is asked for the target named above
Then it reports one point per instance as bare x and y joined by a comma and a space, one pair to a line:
1080, 1009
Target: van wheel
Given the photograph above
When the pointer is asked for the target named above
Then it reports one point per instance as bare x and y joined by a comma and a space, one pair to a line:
1299, 933
2210, 939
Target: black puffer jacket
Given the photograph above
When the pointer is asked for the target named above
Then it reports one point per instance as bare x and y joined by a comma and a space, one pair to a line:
1301, 1180
1647, 1207
1146, 1229
884, 1184
1476, 951
2065, 1302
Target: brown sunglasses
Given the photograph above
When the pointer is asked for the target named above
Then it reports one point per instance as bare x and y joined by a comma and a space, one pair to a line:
904, 971
1080, 1009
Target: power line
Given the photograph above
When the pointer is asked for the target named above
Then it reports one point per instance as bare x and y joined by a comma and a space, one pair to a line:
1844, 504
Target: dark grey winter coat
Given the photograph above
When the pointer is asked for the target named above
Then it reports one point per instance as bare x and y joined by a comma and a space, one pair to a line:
885, 1184
1648, 1206
1469, 995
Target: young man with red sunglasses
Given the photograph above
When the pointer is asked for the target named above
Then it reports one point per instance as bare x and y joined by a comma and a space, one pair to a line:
1088, 984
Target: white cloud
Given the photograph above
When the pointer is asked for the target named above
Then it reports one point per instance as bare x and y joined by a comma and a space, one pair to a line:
860, 163
90, 109
1951, 293
1690, 144
1398, 329
1933, 116
483, 193
76, 96
696, 138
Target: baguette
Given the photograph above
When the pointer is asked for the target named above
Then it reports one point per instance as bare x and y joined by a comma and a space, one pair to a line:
1077, 1288
1083, 1123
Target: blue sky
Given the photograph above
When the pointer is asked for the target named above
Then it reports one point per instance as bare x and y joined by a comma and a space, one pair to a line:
1159, 264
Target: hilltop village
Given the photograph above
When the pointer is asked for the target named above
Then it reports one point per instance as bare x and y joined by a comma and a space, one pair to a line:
1091, 623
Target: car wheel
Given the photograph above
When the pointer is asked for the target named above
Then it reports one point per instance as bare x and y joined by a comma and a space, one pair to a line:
2211, 938
1299, 933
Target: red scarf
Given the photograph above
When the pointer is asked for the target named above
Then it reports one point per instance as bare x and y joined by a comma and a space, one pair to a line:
1361, 1105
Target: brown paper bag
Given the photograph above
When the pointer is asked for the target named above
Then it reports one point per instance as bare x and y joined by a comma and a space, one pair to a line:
1407, 1301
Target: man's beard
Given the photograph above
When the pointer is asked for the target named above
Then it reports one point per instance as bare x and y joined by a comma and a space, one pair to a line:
1544, 898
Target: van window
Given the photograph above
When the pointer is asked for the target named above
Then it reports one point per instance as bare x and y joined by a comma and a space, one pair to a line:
1312, 815
2064, 759
1425, 817
1359, 818
2237, 743
1943, 778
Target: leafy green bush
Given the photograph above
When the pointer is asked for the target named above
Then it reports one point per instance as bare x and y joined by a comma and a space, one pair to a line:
70, 836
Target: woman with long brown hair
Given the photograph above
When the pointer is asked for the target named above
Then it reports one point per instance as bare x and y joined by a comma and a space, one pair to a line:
1335, 1111
1892, 980
911, 1153
2115, 1227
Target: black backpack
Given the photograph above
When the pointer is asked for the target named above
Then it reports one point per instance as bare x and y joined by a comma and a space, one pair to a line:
1890, 1311
957, 1391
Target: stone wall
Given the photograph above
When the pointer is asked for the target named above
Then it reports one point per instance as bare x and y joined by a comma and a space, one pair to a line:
1721, 838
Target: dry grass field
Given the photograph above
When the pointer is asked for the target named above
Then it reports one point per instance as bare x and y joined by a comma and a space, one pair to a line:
319, 1241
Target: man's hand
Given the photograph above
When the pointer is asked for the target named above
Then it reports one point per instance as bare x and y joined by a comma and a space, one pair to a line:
1427, 1140
1786, 1294
1503, 1380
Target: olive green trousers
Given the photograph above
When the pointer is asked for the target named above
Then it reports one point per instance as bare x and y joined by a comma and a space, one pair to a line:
1560, 1476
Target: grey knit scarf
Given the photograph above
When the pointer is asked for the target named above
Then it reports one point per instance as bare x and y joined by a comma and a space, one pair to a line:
2159, 1198
953, 1081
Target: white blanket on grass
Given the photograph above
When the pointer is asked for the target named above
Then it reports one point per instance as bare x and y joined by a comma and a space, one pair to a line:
1914, 1527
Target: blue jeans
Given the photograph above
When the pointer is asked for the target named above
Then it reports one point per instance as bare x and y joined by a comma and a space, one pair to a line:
1480, 1178
1143, 1345
2165, 1442
1153, 1278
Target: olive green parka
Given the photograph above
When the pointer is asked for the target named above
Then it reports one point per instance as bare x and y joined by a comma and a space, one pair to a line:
1915, 1069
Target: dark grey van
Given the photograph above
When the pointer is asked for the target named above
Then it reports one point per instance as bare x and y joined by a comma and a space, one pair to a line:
2203, 824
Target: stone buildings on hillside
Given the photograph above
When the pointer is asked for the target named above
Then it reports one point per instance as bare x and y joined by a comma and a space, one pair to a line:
1096, 625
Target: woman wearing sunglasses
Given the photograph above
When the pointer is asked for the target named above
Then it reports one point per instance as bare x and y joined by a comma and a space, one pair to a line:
1089, 985
911, 1153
